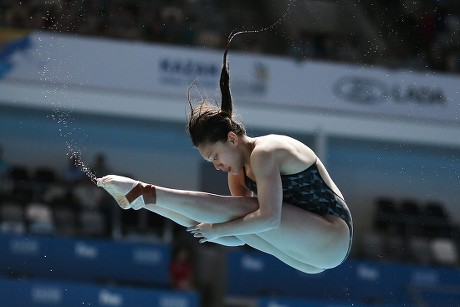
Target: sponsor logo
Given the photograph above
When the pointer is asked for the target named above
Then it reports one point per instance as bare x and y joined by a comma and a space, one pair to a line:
425, 277
365, 90
367, 272
251, 263
48, 295
255, 83
28, 247
183, 71
147, 256
110, 298
84, 250
173, 301
180, 72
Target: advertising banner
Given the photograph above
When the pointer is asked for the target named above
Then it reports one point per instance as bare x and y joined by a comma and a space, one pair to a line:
107, 65
256, 274
91, 260
39, 292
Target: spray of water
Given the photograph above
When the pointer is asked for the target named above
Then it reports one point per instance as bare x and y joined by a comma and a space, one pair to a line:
74, 153
63, 116
272, 26
64, 120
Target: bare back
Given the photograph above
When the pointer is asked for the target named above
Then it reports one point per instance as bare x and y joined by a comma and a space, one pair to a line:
292, 157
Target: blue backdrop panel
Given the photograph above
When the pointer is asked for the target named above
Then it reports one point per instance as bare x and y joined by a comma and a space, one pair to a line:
84, 259
293, 302
20, 293
258, 274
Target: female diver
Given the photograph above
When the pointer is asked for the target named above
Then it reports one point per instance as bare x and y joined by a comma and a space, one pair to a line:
283, 201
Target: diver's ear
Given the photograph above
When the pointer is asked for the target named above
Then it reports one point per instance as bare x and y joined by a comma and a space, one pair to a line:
233, 138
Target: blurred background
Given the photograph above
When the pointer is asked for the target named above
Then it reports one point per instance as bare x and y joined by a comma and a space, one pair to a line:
93, 87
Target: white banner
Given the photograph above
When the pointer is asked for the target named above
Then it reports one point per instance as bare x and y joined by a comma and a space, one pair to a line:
67, 60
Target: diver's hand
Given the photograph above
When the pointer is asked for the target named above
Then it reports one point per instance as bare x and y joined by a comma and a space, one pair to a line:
205, 232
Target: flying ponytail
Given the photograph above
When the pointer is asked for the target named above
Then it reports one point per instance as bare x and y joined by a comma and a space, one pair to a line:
207, 123
226, 103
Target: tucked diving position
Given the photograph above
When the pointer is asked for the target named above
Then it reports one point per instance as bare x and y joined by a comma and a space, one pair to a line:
283, 201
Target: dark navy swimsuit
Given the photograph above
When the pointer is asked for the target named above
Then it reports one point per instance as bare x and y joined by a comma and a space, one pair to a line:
308, 190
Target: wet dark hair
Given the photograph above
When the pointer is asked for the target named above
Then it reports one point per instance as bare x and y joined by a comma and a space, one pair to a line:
207, 122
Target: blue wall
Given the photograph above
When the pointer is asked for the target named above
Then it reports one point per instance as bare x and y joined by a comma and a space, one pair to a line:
366, 169
162, 153
151, 151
